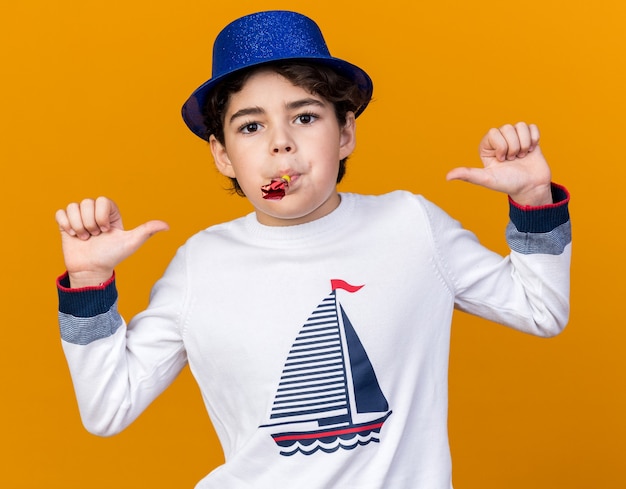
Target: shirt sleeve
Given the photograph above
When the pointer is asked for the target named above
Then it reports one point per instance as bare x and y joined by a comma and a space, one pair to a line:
527, 290
119, 369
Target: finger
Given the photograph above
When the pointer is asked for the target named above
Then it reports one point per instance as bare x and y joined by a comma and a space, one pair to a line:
525, 140
152, 227
64, 222
494, 144
477, 176
509, 133
75, 220
535, 135
107, 214
88, 216
141, 233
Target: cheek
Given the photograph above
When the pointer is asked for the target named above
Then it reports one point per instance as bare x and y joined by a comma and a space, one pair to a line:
327, 175
246, 182
241, 162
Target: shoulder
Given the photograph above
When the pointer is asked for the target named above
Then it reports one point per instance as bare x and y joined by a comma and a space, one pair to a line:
399, 203
217, 233
382, 201
208, 245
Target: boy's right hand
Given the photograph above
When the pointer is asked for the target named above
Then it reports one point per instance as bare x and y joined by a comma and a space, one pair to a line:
94, 241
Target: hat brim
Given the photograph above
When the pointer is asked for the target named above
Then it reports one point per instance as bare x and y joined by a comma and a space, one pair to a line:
193, 108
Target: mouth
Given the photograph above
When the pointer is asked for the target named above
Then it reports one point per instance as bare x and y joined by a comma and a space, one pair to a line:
277, 188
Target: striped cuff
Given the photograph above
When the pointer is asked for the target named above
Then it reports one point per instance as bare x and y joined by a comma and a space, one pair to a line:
541, 219
87, 314
542, 229
86, 301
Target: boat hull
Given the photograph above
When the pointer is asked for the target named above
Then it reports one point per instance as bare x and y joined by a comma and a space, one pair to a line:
330, 439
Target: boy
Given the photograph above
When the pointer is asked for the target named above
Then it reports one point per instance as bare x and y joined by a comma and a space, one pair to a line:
332, 373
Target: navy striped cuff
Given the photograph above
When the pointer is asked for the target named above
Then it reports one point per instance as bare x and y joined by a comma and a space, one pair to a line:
86, 302
541, 219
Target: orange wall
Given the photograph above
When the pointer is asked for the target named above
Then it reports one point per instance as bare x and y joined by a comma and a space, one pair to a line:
91, 94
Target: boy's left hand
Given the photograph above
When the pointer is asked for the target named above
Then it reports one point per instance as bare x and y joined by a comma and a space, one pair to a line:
513, 164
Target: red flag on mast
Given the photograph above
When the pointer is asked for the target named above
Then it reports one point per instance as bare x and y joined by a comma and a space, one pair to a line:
341, 284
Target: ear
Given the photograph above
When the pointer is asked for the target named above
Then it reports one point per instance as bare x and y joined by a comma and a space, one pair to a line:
347, 138
220, 156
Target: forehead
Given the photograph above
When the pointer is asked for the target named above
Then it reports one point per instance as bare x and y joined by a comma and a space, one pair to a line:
265, 87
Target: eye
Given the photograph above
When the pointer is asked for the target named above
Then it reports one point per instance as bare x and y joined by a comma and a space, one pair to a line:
305, 118
249, 127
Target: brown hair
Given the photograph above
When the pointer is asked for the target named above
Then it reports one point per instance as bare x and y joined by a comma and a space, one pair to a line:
321, 80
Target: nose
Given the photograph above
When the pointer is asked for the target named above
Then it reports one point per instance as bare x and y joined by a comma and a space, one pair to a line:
282, 141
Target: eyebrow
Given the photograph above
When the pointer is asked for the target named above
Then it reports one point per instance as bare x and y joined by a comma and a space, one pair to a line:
305, 102
245, 112
296, 104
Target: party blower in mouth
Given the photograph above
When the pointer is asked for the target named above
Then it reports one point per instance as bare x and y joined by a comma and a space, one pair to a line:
277, 188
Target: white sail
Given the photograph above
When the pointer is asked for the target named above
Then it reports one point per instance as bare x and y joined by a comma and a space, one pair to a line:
313, 383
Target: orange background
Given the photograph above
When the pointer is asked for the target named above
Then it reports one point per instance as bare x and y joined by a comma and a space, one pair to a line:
91, 94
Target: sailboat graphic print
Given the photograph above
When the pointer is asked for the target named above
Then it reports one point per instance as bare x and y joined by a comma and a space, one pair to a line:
328, 396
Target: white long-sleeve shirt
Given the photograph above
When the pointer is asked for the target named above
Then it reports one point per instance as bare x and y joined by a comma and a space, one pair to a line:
321, 350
